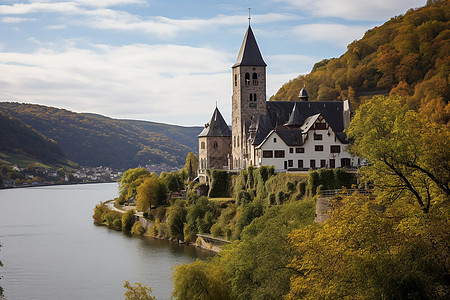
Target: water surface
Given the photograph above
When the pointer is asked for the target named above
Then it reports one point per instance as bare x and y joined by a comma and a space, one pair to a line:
52, 250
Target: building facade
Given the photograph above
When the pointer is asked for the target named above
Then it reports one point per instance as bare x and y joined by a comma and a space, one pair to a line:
290, 135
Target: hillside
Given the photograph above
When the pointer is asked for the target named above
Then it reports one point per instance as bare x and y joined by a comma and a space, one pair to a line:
22, 145
408, 55
94, 140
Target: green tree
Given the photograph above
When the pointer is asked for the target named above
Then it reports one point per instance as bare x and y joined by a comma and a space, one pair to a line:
127, 220
200, 280
367, 250
145, 192
191, 164
130, 181
407, 152
256, 264
138, 292
176, 220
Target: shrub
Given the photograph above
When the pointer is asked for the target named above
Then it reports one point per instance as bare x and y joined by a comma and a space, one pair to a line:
319, 190
219, 183
301, 187
176, 220
117, 224
290, 186
243, 198
313, 183
188, 233
127, 220
272, 199
137, 228
99, 211
281, 197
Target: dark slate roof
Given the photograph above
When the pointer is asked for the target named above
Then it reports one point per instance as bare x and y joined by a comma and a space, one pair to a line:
291, 136
249, 54
295, 118
216, 126
278, 113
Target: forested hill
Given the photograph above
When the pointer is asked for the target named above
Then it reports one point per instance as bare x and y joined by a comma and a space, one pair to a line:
95, 140
408, 55
19, 143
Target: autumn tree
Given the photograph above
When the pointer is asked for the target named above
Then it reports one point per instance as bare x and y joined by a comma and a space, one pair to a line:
200, 280
407, 152
368, 250
151, 192
138, 292
130, 181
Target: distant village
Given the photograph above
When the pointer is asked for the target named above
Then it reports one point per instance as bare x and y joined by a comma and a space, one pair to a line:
27, 177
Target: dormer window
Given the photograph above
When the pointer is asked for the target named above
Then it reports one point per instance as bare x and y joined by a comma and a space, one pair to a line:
247, 78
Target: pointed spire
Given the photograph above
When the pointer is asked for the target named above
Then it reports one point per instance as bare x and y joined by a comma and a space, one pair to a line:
295, 119
216, 126
303, 95
249, 54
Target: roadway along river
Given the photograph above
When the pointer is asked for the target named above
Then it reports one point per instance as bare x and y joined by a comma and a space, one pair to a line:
52, 250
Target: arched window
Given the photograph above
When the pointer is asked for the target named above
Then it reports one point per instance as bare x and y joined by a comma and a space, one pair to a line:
251, 97
235, 79
238, 141
254, 97
234, 142
247, 78
215, 145
203, 145
255, 78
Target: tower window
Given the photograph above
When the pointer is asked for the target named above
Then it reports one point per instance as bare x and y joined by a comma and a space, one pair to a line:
255, 78
251, 97
203, 145
235, 79
215, 145
247, 78
254, 97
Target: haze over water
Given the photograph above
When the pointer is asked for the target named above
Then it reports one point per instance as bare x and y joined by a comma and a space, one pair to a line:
52, 250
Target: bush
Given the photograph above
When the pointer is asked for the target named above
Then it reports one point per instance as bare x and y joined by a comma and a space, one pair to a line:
301, 187
137, 228
219, 183
99, 211
127, 220
319, 190
243, 198
281, 197
272, 199
313, 183
117, 224
290, 186
326, 178
188, 233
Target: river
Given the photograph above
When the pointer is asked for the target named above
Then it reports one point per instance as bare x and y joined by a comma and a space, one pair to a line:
52, 250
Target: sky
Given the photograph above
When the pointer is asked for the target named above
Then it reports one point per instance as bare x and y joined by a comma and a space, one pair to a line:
167, 61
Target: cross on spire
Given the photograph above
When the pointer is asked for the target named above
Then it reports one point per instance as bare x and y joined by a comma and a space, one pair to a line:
249, 18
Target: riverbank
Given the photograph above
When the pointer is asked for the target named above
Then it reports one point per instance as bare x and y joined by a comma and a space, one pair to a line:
203, 241
52, 184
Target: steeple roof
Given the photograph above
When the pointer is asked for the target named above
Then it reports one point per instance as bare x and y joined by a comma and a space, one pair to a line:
216, 126
249, 54
295, 118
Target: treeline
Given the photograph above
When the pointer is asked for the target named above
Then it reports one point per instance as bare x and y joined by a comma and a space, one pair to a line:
94, 140
19, 138
408, 55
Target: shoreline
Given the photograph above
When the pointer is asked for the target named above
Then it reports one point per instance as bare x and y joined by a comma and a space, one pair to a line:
53, 184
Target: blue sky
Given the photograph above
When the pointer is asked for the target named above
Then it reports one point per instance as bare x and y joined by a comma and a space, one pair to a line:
167, 61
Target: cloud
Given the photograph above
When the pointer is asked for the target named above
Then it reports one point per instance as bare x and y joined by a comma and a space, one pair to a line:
354, 9
165, 83
37, 7
15, 20
333, 33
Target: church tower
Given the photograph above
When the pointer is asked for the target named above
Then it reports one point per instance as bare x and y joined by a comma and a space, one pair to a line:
249, 96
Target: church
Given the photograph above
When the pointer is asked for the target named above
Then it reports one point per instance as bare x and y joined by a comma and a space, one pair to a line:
289, 135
